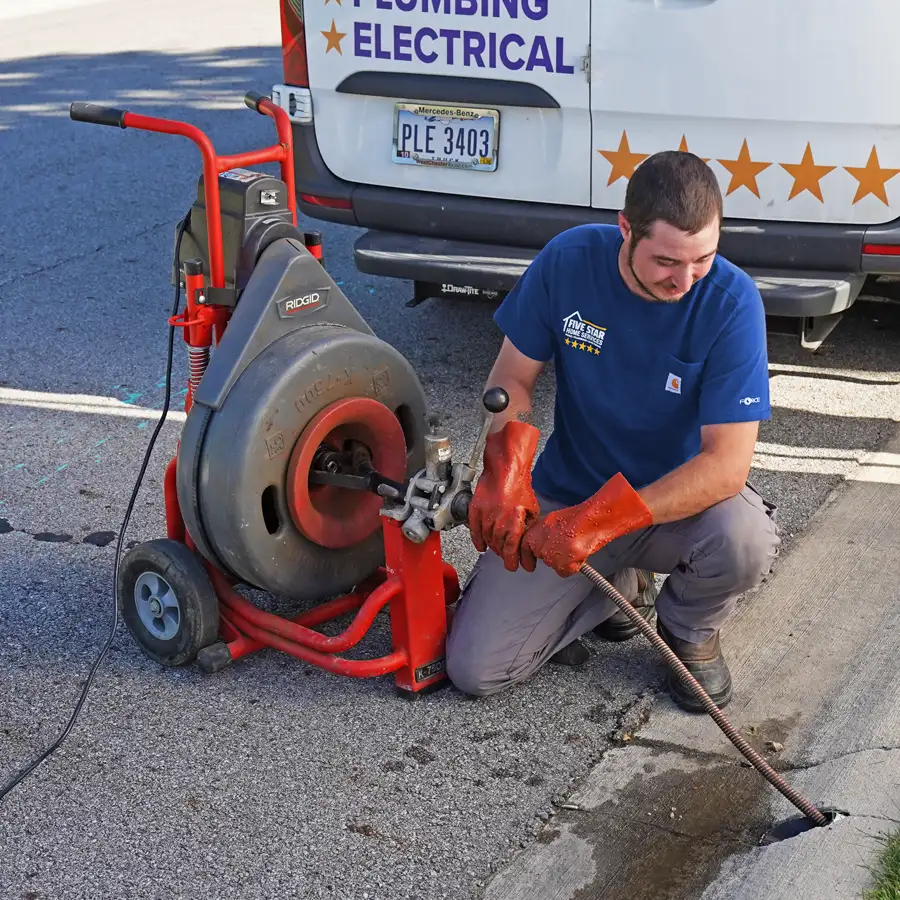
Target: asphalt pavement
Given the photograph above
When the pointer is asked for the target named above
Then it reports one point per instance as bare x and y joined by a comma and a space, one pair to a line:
271, 778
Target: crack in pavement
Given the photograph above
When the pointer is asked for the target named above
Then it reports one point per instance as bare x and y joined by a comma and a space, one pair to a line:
803, 767
688, 752
95, 538
77, 256
739, 836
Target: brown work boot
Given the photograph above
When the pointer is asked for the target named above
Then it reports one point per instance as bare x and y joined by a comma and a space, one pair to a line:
574, 654
705, 662
618, 627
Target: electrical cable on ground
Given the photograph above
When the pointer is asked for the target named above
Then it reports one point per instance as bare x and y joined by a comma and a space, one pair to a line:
17, 779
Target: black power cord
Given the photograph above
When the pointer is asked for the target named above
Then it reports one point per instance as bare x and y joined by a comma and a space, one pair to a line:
137, 486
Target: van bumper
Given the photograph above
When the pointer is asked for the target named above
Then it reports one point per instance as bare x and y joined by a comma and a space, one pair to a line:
447, 267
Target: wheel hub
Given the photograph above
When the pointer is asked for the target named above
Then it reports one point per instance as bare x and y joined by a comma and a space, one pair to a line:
157, 605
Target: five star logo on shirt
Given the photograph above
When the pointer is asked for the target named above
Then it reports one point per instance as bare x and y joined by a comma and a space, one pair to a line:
583, 335
673, 384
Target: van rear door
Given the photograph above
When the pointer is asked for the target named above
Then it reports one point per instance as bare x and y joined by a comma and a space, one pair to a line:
790, 102
486, 98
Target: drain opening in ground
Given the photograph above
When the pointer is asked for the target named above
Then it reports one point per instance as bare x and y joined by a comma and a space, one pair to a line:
798, 825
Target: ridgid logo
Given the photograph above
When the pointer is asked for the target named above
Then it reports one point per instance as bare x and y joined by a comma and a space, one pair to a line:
290, 306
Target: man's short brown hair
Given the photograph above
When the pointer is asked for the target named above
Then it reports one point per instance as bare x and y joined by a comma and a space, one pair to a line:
673, 186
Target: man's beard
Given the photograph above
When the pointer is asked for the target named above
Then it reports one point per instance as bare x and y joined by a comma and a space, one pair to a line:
632, 246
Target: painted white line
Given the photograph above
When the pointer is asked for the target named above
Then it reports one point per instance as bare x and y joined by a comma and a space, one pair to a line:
854, 465
84, 403
15, 9
892, 377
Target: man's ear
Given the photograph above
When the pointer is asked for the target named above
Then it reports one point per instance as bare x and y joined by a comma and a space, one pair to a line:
624, 227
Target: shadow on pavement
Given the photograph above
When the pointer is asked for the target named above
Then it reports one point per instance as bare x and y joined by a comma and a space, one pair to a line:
153, 83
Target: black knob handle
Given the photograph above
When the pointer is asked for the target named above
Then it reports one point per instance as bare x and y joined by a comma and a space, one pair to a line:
252, 98
495, 400
97, 115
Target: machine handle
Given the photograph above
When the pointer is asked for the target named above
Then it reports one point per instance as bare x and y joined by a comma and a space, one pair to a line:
97, 115
252, 98
495, 400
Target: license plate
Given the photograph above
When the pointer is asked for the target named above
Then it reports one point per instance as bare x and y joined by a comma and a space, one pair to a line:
450, 137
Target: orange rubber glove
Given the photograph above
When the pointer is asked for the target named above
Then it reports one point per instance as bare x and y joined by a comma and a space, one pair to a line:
504, 504
566, 538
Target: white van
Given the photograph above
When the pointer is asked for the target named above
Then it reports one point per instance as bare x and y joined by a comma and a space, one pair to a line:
465, 134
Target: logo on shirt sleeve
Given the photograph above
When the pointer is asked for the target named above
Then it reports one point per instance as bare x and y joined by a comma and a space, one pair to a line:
748, 401
673, 384
583, 335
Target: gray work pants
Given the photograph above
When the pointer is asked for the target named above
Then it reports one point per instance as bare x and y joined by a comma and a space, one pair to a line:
508, 624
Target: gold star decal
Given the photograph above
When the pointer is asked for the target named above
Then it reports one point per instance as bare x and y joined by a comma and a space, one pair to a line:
581, 346
872, 178
807, 175
623, 161
744, 171
683, 147
336, 1
334, 38
568, 343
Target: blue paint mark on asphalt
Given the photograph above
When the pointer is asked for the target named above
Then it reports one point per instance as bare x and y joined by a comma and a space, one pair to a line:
101, 442
142, 425
63, 466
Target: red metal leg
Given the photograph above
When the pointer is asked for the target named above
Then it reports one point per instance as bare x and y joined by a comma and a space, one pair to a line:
174, 522
452, 589
356, 668
418, 611
241, 609
416, 582
239, 644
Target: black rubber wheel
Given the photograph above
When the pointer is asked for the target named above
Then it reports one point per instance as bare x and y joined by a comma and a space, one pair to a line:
168, 601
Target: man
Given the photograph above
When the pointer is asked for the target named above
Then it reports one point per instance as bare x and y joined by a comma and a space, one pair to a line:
659, 351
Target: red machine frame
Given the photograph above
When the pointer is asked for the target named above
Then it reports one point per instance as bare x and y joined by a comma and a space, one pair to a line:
415, 583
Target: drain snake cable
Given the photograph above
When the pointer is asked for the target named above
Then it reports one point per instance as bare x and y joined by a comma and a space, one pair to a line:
808, 809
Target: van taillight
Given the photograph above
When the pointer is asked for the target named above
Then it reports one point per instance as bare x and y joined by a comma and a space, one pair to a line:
293, 44
330, 202
882, 249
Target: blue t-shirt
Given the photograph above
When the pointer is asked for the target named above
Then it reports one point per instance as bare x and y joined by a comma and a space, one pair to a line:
635, 379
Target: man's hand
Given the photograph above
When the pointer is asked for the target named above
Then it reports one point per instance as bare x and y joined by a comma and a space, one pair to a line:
504, 504
565, 539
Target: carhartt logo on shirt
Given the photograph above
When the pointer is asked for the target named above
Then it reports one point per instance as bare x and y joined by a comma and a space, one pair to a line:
673, 384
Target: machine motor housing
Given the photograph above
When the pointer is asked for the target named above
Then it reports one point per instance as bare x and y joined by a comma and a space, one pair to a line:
294, 345
255, 213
